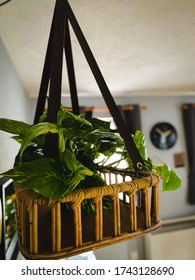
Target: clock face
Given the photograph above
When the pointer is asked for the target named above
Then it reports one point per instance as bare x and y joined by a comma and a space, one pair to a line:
163, 135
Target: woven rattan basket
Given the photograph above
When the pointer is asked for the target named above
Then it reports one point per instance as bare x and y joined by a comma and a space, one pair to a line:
48, 230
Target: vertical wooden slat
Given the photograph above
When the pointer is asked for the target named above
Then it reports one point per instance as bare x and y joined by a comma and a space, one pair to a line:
23, 225
31, 229
19, 225
35, 226
80, 226
58, 227
98, 220
116, 216
155, 204
53, 228
133, 212
147, 218
77, 225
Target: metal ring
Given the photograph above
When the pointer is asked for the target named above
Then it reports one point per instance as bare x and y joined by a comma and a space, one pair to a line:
141, 166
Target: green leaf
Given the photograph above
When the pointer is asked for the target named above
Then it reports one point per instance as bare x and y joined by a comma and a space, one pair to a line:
92, 181
35, 131
140, 142
18, 138
61, 142
78, 171
100, 124
70, 161
62, 113
99, 135
88, 206
44, 176
170, 180
73, 125
87, 161
14, 126
32, 152
43, 117
74, 165
108, 147
75, 180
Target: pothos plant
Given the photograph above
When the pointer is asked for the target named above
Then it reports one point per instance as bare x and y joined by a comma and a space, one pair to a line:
84, 148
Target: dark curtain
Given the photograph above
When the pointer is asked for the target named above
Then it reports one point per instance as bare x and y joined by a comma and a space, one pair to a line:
87, 112
131, 116
188, 113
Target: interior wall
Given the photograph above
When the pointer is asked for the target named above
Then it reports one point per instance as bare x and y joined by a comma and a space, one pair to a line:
14, 104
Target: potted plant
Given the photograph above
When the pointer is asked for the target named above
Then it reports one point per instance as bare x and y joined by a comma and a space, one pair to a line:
85, 149
80, 144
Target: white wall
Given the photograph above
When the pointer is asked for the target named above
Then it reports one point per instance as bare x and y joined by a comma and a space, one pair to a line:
14, 104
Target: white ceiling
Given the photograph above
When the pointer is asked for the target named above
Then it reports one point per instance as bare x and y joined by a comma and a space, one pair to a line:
143, 47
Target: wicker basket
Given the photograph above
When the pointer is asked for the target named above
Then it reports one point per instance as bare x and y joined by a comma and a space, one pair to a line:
48, 230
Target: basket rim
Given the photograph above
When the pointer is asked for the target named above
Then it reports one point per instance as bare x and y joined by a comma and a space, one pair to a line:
28, 196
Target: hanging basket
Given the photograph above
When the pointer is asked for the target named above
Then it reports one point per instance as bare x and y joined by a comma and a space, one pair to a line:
48, 230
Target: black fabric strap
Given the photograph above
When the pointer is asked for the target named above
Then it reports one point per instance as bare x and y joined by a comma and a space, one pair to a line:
47, 68
115, 113
45, 75
54, 100
71, 72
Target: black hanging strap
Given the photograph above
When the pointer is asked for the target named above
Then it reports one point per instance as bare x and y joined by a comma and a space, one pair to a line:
54, 100
71, 72
45, 75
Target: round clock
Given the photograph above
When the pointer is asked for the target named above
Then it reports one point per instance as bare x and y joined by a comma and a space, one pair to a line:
163, 135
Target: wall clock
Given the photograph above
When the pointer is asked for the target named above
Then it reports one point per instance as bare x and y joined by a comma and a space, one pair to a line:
163, 135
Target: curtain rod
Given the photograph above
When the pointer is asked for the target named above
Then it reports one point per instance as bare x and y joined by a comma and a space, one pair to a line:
186, 106
104, 109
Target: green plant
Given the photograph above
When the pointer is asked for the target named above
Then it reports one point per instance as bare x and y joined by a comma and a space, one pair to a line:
80, 145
